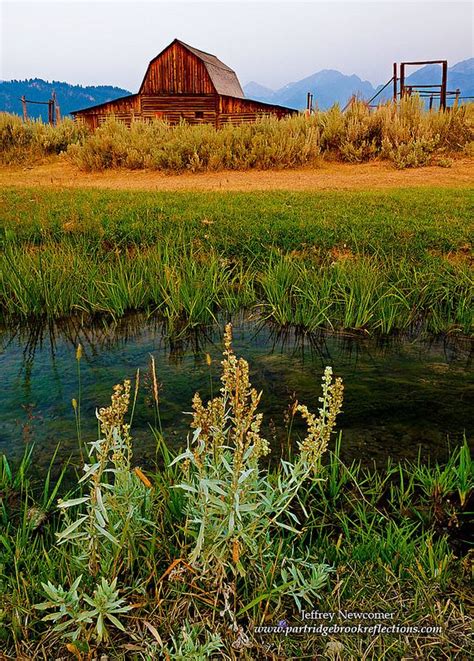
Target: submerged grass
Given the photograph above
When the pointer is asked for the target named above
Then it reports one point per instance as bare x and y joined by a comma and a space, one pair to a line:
374, 261
216, 555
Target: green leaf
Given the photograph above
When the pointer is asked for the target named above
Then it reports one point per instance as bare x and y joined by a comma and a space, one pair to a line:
52, 617
51, 591
44, 605
75, 585
100, 626
100, 503
64, 533
115, 621
106, 533
245, 474
71, 503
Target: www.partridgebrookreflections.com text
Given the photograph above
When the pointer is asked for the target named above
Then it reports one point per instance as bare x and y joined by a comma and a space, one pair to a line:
350, 622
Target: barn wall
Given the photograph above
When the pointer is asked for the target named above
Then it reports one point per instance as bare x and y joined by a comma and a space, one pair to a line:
196, 109
122, 109
244, 111
177, 71
212, 109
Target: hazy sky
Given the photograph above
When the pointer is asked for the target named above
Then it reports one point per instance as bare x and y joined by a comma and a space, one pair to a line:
110, 42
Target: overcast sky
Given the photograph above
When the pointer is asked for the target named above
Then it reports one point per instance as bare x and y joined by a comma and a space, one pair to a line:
273, 43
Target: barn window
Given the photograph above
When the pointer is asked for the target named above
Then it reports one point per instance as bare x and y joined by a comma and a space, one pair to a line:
199, 114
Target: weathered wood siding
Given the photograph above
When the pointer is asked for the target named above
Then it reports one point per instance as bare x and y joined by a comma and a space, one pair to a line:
177, 71
196, 109
245, 111
122, 109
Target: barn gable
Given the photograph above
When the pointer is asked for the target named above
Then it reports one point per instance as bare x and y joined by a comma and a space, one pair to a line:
176, 70
183, 69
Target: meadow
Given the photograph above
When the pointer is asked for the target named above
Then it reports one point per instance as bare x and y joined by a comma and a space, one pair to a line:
404, 134
371, 261
185, 560
216, 552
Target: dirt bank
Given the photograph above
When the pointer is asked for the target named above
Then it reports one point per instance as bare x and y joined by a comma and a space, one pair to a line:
330, 176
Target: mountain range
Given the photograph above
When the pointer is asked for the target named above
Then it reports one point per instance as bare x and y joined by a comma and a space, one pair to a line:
330, 86
69, 97
327, 86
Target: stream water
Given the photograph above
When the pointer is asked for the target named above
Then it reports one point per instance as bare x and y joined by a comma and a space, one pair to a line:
402, 395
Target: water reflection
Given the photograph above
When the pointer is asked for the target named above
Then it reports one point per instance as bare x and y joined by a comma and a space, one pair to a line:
402, 393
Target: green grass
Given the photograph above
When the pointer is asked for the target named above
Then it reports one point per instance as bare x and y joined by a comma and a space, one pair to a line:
399, 222
379, 261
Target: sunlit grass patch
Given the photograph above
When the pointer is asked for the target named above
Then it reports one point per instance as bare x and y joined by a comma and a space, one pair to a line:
380, 262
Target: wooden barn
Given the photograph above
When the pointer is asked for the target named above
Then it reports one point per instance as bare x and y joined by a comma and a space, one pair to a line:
184, 83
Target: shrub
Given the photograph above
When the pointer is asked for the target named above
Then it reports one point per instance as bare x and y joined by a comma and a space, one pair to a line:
411, 154
23, 142
231, 506
404, 133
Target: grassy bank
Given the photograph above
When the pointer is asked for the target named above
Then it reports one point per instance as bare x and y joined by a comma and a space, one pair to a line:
404, 133
187, 561
373, 261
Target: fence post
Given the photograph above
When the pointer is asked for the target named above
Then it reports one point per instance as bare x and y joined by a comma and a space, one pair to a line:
53, 108
25, 110
444, 84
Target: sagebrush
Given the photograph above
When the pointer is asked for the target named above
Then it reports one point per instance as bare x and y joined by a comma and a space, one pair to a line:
405, 133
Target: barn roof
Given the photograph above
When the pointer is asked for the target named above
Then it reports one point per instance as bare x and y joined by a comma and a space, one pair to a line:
223, 77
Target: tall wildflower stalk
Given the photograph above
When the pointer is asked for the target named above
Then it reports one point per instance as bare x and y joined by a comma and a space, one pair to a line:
231, 508
117, 498
231, 503
321, 427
